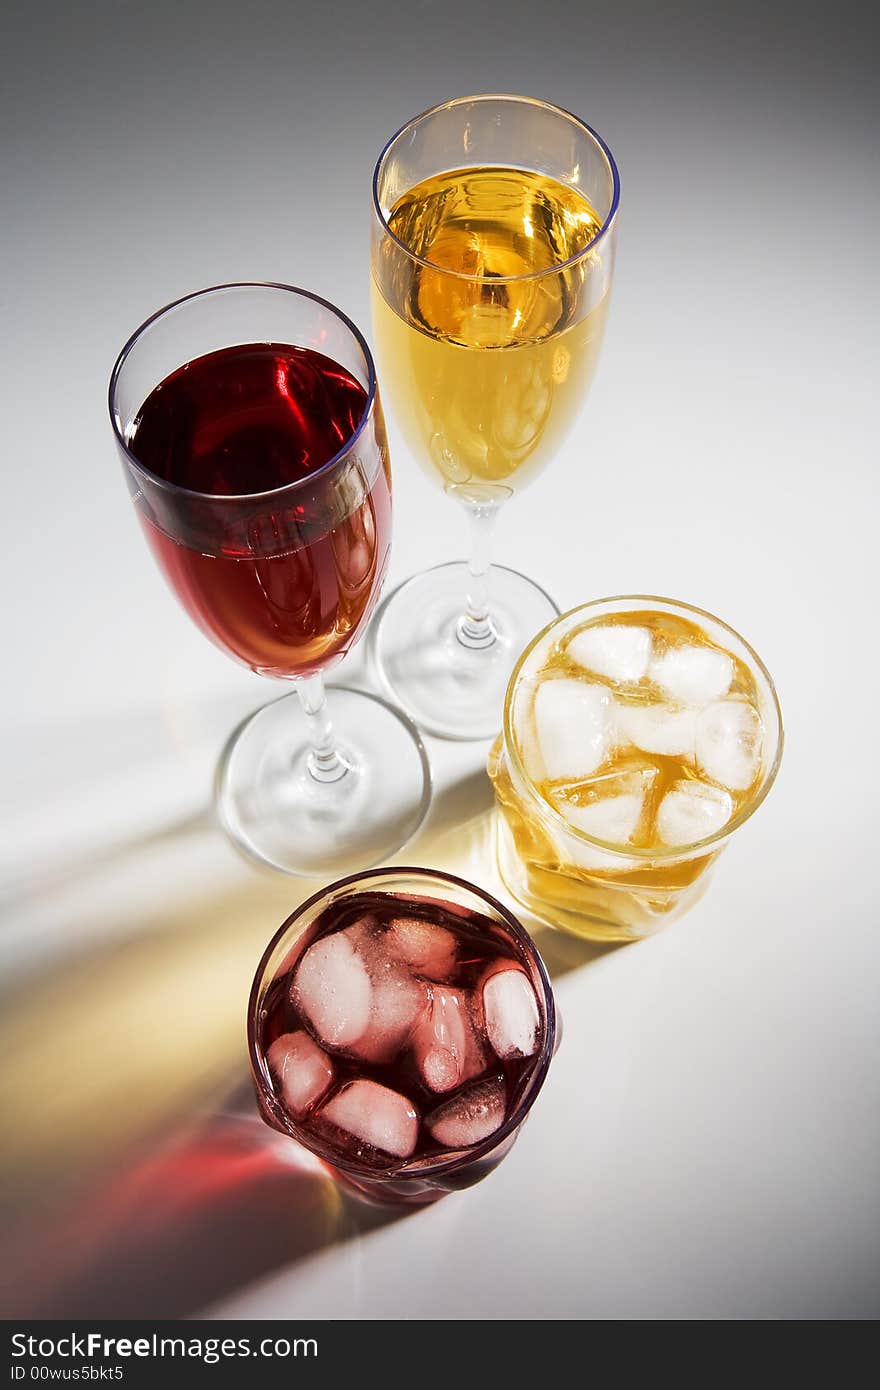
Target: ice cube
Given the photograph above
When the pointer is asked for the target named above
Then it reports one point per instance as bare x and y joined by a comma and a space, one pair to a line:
511, 1013
612, 818
332, 988
300, 1068
398, 1001
691, 674
692, 811
471, 1116
614, 650
610, 807
658, 728
574, 720
364, 936
531, 752
428, 949
729, 736
446, 1045
376, 1115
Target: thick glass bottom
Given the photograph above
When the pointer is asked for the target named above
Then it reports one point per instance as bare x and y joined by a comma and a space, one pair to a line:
595, 908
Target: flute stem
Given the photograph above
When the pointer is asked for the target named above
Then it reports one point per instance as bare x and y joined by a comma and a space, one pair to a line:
324, 762
475, 629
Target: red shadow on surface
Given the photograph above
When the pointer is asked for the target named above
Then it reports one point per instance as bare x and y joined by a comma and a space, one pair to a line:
182, 1229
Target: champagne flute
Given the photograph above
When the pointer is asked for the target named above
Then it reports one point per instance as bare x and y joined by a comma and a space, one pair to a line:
248, 422
493, 235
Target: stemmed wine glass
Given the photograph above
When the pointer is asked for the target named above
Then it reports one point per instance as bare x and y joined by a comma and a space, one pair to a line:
493, 236
248, 422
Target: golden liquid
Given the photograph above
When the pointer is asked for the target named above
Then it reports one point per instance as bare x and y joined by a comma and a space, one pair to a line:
594, 893
486, 376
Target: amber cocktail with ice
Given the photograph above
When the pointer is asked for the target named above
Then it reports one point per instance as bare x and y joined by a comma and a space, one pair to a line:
639, 734
401, 1025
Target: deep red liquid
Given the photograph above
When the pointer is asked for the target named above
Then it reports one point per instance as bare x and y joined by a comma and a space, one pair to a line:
283, 582
480, 943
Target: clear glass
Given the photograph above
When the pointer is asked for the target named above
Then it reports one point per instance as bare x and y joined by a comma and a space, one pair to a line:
285, 581
484, 407
591, 887
417, 1180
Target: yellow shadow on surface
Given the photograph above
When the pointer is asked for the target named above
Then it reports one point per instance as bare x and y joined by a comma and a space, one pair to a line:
122, 1052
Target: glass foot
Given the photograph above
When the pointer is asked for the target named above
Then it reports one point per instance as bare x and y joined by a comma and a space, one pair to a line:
274, 809
450, 688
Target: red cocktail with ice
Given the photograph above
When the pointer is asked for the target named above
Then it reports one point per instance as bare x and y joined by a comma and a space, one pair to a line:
401, 1025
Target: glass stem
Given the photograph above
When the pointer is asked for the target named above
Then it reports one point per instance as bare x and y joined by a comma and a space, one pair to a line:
475, 629
324, 761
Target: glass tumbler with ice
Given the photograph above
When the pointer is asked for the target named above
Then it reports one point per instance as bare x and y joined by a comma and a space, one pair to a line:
400, 1026
639, 734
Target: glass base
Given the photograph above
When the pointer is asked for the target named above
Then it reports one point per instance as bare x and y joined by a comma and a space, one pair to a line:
448, 688
274, 809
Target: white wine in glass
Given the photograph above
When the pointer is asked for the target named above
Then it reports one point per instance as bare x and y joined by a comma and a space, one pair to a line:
472, 412
490, 285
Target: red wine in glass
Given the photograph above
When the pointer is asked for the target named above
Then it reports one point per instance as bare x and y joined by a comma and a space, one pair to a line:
287, 589
249, 426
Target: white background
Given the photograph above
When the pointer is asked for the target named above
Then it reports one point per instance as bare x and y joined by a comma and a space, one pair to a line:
707, 1142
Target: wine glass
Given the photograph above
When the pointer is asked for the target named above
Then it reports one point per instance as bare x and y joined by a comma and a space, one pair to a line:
493, 235
248, 421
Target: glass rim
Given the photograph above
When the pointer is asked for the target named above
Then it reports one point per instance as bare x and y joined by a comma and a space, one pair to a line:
399, 1168
669, 853
175, 488
531, 275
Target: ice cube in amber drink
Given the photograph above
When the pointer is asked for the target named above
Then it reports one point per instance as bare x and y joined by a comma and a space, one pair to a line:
638, 735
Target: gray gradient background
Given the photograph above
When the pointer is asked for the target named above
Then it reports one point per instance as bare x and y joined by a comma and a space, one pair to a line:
708, 1141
